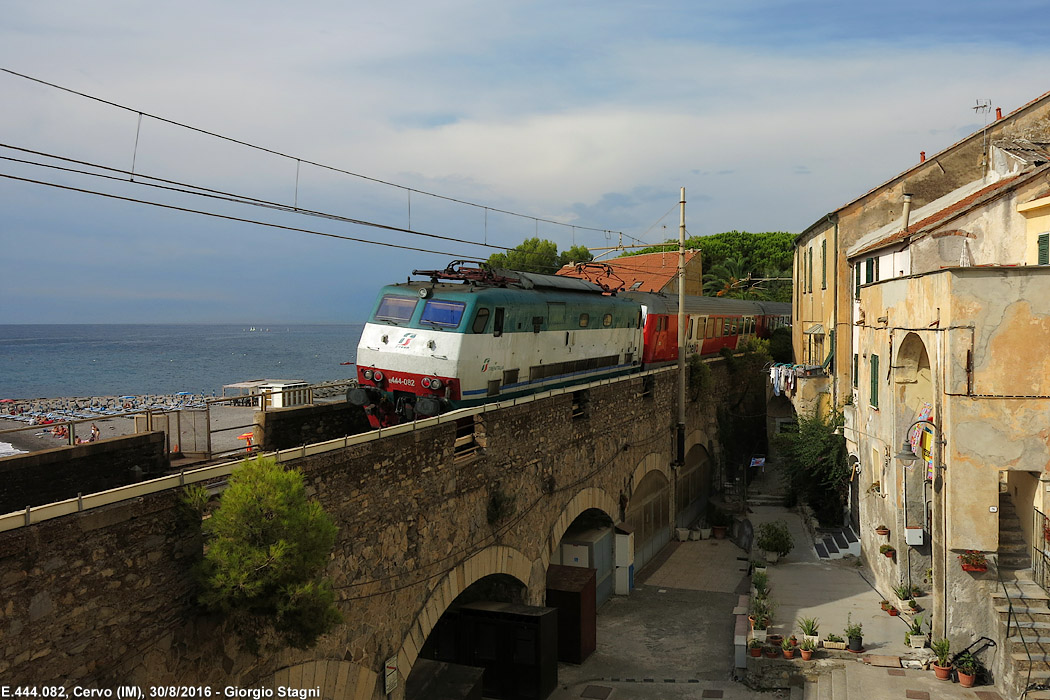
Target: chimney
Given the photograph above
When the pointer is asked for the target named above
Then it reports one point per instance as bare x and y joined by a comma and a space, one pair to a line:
922, 156
907, 210
998, 113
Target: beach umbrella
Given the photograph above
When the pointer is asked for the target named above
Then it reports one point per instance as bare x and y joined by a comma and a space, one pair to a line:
184, 393
127, 398
7, 400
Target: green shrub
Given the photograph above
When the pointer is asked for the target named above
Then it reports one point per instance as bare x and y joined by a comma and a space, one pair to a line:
775, 537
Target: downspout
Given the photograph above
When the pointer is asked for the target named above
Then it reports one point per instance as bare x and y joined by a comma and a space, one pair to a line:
834, 221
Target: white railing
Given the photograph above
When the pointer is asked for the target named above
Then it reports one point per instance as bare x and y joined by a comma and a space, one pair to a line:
36, 514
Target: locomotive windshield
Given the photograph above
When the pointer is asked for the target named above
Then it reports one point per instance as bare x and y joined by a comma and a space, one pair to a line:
395, 308
443, 313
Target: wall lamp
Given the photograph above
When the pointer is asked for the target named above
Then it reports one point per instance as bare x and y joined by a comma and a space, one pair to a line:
906, 456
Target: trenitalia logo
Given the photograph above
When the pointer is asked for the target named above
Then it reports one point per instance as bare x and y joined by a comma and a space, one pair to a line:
406, 340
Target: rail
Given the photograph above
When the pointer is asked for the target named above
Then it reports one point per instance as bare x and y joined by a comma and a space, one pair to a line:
1010, 616
37, 514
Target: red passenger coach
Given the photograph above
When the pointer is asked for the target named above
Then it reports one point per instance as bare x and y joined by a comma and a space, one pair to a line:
712, 323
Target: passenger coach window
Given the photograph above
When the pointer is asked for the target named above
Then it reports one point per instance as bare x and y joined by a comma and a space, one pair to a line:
443, 313
481, 319
395, 308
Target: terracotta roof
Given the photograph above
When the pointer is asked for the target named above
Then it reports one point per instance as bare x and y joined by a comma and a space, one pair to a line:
937, 217
644, 273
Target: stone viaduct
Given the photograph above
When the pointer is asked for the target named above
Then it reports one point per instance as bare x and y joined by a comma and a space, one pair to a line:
470, 505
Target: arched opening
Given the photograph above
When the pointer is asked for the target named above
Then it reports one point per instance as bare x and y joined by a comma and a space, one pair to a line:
488, 642
648, 515
588, 543
693, 486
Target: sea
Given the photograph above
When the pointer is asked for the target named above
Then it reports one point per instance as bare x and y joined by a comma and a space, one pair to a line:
53, 361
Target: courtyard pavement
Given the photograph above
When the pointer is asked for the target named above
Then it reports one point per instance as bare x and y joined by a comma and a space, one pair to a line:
673, 636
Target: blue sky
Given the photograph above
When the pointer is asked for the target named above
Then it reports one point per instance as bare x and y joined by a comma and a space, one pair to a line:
769, 113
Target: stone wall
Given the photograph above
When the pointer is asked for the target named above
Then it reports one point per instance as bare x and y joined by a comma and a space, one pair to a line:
415, 529
62, 472
282, 428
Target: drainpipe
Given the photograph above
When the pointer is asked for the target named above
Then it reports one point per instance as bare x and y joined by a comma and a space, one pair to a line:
907, 211
680, 437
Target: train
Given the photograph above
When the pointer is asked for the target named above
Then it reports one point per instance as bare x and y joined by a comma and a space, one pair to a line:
471, 334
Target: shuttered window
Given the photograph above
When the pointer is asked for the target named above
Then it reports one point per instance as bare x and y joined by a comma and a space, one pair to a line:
856, 367
809, 276
874, 400
1044, 248
856, 284
824, 264
870, 265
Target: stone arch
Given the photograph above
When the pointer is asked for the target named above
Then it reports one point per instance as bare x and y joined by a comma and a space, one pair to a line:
654, 461
586, 499
911, 358
651, 504
335, 678
497, 559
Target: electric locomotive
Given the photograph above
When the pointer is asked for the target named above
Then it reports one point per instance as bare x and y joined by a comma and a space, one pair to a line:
473, 334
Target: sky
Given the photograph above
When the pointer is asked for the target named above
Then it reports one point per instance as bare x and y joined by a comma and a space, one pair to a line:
587, 116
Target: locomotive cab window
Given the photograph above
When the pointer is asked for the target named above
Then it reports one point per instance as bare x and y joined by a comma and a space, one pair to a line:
584, 320
395, 308
481, 320
446, 314
607, 320
497, 322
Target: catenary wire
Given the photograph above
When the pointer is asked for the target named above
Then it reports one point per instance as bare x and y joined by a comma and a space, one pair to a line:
298, 159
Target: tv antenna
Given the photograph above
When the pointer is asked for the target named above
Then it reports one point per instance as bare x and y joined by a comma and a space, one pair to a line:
984, 107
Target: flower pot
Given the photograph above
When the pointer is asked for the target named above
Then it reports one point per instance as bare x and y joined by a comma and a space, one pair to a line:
755, 651
834, 645
943, 672
815, 638
719, 532
889, 553
894, 612
789, 653
885, 605
772, 653
695, 535
883, 531
856, 644
966, 680
682, 533
975, 567
806, 654
917, 641
760, 635
774, 639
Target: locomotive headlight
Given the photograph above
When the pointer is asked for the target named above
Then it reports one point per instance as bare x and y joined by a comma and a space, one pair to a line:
368, 374
435, 383
377, 375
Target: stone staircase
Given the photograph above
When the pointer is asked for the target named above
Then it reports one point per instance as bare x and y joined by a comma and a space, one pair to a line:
1027, 637
828, 686
835, 544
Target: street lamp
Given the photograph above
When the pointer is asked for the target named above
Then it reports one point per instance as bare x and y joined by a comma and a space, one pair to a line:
906, 456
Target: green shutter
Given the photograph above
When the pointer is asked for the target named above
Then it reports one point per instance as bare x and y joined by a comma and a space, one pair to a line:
824, 264
870, 264
809, 276
856, 284
856, 366
1044, 248
875, 381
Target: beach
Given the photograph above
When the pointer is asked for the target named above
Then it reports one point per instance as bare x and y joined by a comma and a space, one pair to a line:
31, 422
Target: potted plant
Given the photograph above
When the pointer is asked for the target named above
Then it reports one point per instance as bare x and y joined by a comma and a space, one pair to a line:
760, 615
808, 626
876, 487
755, 647
943, 666
758, 565
916, 591
760, 584
807, 648
967, 666
882, 530
887, 550
787, 649
719, 520
903, 593
854, 633
914, 637
794, 640
972, 560
833, 641
884, 604
913, 605
771, 651
774, 538
893, 611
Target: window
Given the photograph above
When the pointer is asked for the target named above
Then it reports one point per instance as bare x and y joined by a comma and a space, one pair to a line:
1043, 245
874, 399
555, 313
497, 322
584, 320
710, 328
856, 367
481, 320
809, 273
824, 264
872, 265
443, 313
607, 320
856, 282
395, 308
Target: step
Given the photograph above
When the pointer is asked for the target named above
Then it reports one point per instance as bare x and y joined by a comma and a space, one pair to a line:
822, 551
1025, 574
838, 684
1011, 537
1012, 548
1024, 613
829, 544
810, 691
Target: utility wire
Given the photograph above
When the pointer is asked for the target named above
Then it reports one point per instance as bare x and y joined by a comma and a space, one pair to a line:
242, 219
295, 158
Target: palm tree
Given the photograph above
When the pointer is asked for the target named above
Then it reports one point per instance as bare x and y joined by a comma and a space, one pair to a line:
728, 279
